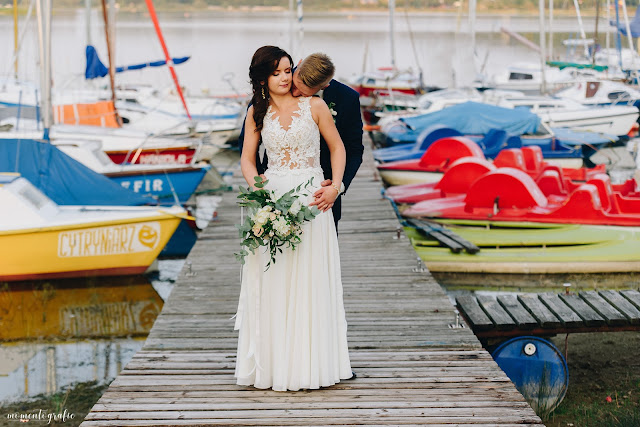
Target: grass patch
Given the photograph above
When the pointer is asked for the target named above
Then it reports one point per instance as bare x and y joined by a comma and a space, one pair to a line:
622, 411
77, 400
604, 382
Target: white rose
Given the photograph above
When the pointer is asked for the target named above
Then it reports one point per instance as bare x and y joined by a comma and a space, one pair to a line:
261, 217
281, 226
295, 207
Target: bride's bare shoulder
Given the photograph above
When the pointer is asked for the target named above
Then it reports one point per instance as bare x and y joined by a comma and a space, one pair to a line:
318, 104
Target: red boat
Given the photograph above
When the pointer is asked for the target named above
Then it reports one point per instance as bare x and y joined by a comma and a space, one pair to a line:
512, 195
444, 152
154, 156
387, 79
458, 179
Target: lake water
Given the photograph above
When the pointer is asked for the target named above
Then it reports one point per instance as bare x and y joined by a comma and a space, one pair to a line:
221, 45
62, 332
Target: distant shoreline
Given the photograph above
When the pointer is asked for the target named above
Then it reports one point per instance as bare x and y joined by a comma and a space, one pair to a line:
189, 9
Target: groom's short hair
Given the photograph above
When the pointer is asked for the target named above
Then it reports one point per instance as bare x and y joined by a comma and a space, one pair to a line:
316, 70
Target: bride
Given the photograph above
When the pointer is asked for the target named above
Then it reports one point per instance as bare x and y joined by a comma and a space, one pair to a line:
291, 319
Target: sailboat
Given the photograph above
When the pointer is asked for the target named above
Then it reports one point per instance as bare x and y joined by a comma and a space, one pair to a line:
40, 239
386, 81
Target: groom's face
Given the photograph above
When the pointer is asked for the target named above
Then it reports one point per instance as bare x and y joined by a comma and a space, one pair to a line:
300, 89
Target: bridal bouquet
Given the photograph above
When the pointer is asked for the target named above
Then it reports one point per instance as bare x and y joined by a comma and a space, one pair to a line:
272, 222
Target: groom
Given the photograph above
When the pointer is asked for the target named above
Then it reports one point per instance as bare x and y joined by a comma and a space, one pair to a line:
314, 76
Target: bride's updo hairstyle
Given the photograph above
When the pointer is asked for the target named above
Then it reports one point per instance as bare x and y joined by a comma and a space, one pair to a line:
264, 62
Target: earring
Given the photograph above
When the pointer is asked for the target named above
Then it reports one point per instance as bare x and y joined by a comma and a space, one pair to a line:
263, 93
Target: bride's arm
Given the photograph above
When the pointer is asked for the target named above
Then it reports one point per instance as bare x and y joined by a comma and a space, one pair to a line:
249, 149
326, 196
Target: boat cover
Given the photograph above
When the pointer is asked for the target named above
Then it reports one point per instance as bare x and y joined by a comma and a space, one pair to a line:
634, 26
61, 178
477, 118
95, 67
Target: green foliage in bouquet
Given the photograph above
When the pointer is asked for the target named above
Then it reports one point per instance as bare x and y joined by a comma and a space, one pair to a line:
272, 222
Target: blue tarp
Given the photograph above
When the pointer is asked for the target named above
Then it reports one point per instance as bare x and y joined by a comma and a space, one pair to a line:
476, 118
61, 178
95, 67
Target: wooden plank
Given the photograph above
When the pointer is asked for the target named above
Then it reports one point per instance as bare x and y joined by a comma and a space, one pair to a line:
564, 313
582, 309
612, 316
623, 305
517, 311
473, 313
494, 310
632, 296
539, 311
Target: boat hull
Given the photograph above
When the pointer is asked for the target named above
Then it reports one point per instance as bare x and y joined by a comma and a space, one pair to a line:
163, 184
404, 177
534, 248
172, 156
111, 248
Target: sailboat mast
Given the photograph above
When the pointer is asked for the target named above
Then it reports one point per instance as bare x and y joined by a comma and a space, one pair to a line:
105, 17
43, 11
472, 24
392, 6
595, 36
291, 17
300, 27
87, 8
15, 36
543, 55
550, 52
634, 69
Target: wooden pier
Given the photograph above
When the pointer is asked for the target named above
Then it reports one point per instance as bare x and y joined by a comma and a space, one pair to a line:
551, 314
414, 366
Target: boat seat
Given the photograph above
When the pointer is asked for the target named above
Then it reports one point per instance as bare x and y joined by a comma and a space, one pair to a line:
510, 158
506, 188
443, 152
603, 183
583, 203
533, 160
550, 183
462, 174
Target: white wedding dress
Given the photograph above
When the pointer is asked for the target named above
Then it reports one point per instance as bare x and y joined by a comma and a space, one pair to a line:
291, 319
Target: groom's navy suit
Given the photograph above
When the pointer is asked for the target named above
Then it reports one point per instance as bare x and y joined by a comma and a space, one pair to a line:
346, 103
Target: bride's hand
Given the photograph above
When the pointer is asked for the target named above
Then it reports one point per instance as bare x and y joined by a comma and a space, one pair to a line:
325, 197
264, 178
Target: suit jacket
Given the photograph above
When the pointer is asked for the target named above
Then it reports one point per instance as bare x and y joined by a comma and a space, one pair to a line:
346, 103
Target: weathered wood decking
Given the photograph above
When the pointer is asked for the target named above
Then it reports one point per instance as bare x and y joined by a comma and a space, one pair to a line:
413, 368
550, 314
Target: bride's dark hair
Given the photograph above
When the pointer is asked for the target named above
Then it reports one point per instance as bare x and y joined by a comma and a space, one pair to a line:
264, 62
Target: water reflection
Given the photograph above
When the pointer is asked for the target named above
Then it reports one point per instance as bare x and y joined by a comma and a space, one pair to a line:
57, 333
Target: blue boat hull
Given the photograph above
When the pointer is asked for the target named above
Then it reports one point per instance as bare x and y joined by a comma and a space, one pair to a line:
162, 186
180, 244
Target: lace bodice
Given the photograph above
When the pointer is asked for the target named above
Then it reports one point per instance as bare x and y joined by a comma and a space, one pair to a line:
297, 148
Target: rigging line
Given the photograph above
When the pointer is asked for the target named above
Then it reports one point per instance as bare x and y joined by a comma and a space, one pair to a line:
413, 44
14, 58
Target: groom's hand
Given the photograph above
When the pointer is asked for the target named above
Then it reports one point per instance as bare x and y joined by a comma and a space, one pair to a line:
325, 197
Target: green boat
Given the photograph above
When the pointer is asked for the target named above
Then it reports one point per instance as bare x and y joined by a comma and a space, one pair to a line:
527, 248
